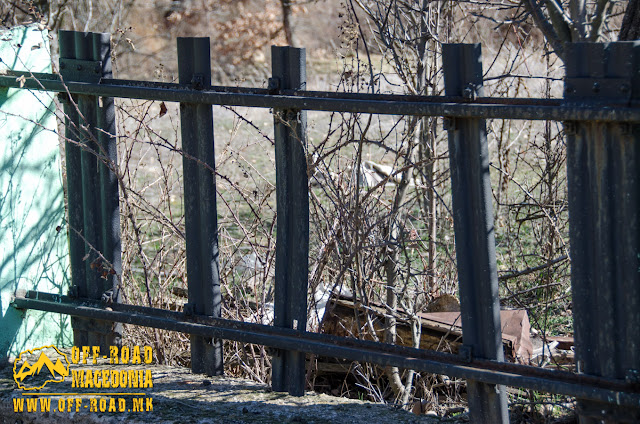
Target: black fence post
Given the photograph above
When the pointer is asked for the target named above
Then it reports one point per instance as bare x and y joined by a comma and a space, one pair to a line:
111, 274
474, 231
292, 201
92, 185
603, 163
73, 167
196, 128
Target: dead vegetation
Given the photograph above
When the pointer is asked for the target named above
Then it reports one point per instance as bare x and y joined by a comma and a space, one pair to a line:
387, 242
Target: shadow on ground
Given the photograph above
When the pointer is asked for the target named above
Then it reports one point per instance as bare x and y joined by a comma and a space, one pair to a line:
181, 397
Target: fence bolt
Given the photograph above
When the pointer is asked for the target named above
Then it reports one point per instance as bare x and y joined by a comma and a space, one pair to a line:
63, 97
448, 124
632, 376
466, 352
273, 85
624, 88
79, 67
596, 87
569, 89
197, 82
73, 291
469, 93
570, 128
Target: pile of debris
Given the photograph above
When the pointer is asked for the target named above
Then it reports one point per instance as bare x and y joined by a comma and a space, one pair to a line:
440, 330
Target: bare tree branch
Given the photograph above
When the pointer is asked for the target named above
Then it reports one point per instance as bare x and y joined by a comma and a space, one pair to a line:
578, 10
533, 269
560, 21
597, 19
549, 31
630, 29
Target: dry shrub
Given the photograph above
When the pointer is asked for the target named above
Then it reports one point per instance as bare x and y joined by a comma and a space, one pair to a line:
356, 228
389, 242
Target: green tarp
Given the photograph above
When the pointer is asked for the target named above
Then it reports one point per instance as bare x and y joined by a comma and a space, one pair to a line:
33, 235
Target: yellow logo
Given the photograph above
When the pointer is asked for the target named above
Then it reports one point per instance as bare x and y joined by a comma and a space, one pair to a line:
28, 376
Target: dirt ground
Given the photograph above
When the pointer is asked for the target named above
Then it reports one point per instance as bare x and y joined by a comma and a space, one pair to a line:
178, 396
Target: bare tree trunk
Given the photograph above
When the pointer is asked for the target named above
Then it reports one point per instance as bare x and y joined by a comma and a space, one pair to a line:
391, 272
286, 22
427, 154
429, 140
630, 29
578, 11
402, 391
432, 223
390, 332
550, 176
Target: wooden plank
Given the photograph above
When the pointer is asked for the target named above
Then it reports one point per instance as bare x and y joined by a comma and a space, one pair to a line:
440, 330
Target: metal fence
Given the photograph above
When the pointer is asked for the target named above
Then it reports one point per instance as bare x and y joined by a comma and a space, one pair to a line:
601, 114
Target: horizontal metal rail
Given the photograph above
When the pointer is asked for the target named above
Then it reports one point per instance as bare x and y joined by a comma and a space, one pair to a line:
454, 107
493, 372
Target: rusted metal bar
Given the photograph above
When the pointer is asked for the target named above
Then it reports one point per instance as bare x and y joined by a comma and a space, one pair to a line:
487, 108
196, 129
619, 392
32, 298
604, 216
474, 232
292, 198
